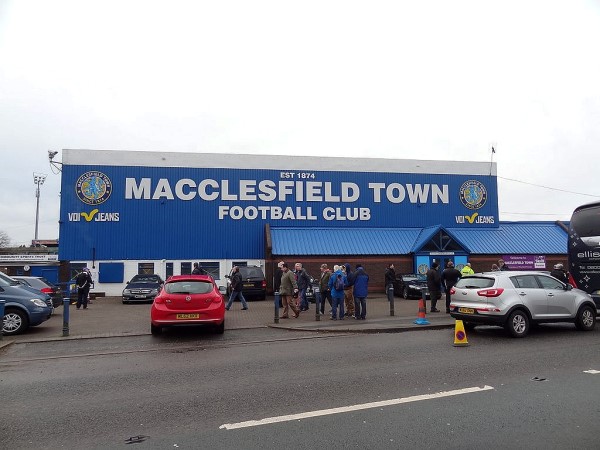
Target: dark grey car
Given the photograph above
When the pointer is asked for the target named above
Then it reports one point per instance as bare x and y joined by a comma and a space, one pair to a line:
515, 300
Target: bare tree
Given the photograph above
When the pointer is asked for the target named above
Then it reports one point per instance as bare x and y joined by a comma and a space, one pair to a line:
4, 239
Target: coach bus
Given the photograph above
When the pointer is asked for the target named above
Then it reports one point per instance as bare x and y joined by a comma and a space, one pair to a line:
584, 249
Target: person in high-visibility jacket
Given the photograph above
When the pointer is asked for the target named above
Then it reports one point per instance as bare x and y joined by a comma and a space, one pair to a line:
466, 270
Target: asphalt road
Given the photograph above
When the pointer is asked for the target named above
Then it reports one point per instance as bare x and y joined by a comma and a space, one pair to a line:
189, 389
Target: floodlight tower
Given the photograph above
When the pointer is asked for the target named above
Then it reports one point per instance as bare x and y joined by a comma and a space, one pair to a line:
38, 180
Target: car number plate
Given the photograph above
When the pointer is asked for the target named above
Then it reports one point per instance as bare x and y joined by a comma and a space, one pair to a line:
466, 310
248, 285
188, 316
140, 296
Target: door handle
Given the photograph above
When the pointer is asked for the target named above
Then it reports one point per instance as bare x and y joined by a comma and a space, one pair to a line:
550, 294
522, 294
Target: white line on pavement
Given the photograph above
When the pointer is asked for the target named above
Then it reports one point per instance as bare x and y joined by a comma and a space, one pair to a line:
345, 409
592, 371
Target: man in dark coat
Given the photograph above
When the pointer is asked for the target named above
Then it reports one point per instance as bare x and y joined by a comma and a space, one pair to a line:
433, 284
450, 277
84, 282
390, 278
559, 273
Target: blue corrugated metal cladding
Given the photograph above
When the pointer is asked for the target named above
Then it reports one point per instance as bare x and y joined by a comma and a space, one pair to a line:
113, 213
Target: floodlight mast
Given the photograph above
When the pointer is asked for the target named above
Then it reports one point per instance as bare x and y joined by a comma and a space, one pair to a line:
38, 180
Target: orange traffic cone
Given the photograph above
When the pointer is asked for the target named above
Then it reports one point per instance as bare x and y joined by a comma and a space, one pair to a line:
460, 336
421, 320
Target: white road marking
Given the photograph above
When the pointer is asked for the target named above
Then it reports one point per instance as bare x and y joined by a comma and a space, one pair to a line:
345, 409
592, 371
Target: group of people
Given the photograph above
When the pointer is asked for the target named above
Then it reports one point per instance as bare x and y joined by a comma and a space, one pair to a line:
344, 290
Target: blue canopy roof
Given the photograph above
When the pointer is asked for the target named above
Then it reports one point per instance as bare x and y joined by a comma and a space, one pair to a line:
508, 238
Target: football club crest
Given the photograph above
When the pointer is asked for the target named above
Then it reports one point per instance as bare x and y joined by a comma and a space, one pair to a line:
93, 187
473, 194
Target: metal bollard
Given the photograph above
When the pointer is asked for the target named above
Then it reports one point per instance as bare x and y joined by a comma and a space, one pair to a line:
277, 298
390, 294
2, 302
66, 302
318, 306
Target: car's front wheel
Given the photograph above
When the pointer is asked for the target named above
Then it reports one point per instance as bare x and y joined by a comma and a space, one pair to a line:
15, 322
156, 331
518, 324
586, 318
405, 293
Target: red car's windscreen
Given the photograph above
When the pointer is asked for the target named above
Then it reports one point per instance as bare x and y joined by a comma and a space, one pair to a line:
189, 287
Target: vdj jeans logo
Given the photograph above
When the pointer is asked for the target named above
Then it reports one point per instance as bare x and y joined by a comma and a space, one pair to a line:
94, 215
474, 218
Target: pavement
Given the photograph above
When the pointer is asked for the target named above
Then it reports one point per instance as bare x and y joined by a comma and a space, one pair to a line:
108, 317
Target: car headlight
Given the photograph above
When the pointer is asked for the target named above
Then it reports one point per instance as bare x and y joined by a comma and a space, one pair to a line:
126, 291
38, 302
414, 286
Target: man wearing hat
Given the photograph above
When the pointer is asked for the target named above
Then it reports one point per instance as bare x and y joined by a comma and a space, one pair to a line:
559, 273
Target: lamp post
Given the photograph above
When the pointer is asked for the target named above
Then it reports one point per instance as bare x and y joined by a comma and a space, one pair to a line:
38, 179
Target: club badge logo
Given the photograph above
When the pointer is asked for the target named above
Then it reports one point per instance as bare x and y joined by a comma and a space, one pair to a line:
93, 187
473, 194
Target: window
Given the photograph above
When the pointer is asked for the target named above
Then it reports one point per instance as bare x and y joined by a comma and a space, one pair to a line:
169, 269
525, 282
239, 263
186, 268
189, 287
212, 268
550, 283
145, 268
475, 283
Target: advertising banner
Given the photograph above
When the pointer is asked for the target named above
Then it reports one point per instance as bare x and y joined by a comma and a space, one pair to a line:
525, 262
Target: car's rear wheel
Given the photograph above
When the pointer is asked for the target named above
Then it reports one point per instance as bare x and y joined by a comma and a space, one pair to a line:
156, 331
405, 292
469, 326
586, 319
15, 321
518, 324
220, 329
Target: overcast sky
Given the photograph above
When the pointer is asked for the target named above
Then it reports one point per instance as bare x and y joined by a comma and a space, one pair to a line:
393, 79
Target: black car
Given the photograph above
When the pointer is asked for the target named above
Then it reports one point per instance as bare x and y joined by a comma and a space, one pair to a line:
142, 288
410, 286
43, 285
254, 283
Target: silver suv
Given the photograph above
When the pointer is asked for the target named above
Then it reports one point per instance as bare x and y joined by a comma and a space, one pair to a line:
515, 300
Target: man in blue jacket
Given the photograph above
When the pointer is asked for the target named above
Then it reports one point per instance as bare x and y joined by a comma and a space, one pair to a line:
336, 285
361, 290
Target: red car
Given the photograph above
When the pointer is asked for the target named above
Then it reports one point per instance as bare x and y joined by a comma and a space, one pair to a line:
188, 300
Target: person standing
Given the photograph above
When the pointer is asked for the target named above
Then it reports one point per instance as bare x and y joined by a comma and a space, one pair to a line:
337, 281
349, 290
390, 279
198, 270
84, 282
287, 289
236, 289
450, 277
467, 270
277, 280
361, 290
502, 265
559, 273
433, 284
324, 290
303, 280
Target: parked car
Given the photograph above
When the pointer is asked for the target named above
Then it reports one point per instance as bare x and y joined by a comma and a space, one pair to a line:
25, 307
410, 286
142, 288
188, 300
43, 285
254, 282
515, 300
